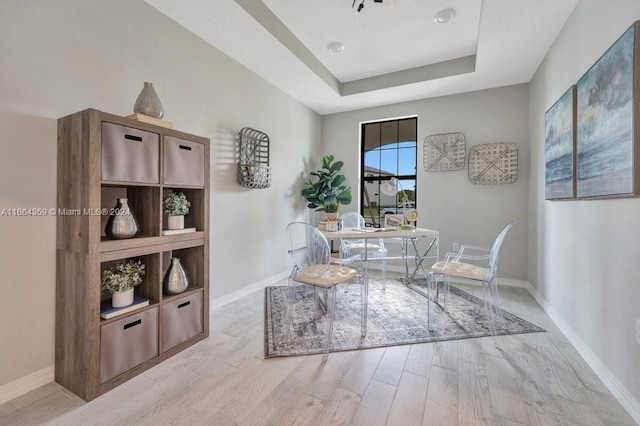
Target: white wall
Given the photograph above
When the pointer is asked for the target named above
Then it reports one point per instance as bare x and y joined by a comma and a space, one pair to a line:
448, 201
60, 57
584, 254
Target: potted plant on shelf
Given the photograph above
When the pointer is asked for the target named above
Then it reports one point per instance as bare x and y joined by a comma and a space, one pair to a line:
176, 206
327, 191
120, 281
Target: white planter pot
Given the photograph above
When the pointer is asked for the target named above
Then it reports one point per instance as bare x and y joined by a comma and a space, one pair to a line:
175, 222
122, 298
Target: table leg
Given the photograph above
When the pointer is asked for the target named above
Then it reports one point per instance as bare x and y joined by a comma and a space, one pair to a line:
419, 260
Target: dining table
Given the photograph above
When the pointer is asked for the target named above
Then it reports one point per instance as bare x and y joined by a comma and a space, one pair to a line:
412, 255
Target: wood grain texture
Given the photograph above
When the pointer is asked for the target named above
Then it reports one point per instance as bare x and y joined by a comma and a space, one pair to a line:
527, 380
83, 252
409, 402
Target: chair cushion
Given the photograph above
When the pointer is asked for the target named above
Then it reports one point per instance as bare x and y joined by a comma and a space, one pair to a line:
460, 269
320, 276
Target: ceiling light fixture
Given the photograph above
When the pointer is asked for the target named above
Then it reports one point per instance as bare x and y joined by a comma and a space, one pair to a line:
361, 4
444, 16
335, 47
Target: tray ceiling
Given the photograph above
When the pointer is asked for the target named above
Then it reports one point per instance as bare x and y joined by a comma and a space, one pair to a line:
394, 51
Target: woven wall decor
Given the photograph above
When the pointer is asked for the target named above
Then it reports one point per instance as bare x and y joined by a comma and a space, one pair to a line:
493, 163
253, 167
445, 152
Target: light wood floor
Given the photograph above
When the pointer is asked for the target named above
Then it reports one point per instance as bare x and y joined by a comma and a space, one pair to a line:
532, 379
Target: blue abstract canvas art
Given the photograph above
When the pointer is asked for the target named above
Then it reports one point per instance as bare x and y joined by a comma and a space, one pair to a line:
559, 147
605, 123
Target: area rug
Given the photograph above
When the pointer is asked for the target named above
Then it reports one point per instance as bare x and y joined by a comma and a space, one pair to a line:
396, 316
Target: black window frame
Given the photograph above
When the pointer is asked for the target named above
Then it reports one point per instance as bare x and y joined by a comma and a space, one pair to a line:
369, 210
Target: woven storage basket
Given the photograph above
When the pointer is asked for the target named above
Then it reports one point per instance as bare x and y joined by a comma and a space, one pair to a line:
254, 175
445, 152
253, 168
493, 163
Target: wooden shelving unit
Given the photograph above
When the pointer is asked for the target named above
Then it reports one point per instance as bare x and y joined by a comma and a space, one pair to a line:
102, 157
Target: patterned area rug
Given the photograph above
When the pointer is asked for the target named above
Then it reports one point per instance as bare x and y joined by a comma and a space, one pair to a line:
396, 316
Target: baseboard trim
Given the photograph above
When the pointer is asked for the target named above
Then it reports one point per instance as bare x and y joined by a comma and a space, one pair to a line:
617, 389
47, 375
33, 381
245, 291
508, 282
26, 384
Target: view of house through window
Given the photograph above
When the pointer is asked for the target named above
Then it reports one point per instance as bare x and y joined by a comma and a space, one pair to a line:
388, 150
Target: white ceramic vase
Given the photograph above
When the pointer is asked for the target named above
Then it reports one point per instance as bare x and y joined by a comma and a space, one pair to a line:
175, 222
122, 298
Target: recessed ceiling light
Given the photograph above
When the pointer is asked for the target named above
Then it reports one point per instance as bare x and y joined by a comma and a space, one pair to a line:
444, 16
335, 47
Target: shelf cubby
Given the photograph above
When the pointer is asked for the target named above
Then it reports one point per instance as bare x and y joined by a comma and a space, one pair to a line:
196, 216
149, 288
191, 260
143, 202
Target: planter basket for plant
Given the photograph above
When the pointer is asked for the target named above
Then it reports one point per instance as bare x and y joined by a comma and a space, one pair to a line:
253, 168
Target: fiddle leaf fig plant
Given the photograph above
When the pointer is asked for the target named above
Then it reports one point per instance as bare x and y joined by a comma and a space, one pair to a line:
325, 190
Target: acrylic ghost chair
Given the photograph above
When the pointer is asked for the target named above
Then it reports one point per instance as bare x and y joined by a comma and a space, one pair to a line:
369, 249
454, 266
314, 266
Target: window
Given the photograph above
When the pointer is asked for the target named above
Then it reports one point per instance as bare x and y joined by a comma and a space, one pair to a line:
388, 150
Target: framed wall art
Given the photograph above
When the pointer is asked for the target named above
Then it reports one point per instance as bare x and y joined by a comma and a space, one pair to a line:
445, 152
560, 148
607, 141
393, 220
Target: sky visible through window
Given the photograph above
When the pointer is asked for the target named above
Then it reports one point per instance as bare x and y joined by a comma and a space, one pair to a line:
396, 159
